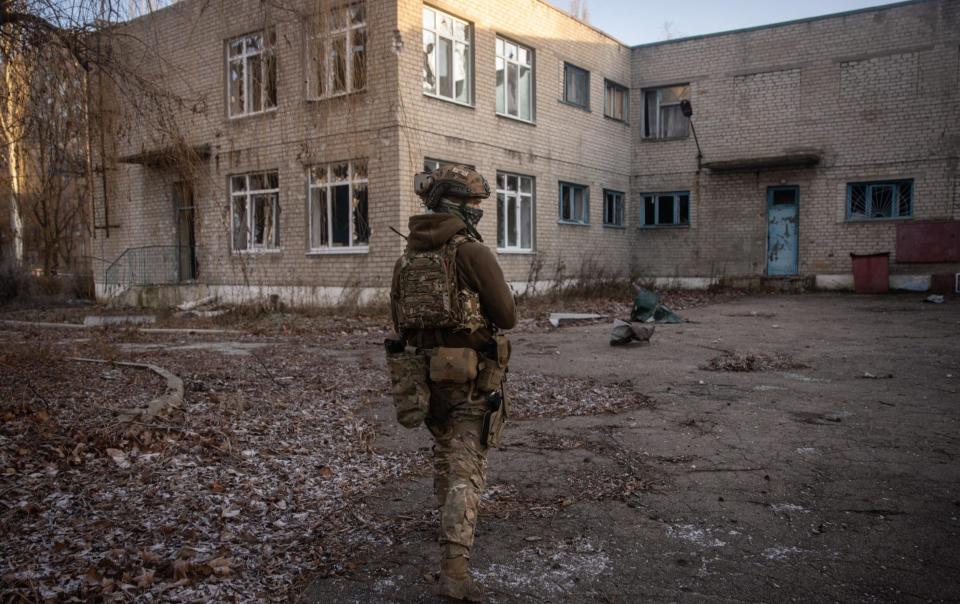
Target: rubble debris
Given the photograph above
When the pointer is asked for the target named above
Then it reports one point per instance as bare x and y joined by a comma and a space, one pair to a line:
624, 332
934, 299
746, 361
560, 317
104, 320
648, 309
871, 376
197, 303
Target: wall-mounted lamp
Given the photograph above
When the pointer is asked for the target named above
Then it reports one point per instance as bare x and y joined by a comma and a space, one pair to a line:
687, 109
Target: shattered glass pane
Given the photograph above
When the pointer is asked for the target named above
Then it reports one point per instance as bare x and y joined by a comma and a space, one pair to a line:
338, 59
526, 222
359, 50
429, 62
340, 215
361, 228
319, 229
501, 222
236, 88
240, 222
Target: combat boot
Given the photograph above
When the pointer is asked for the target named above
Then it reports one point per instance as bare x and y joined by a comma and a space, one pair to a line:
455, 581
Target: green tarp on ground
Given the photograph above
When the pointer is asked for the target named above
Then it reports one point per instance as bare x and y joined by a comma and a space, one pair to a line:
647, 309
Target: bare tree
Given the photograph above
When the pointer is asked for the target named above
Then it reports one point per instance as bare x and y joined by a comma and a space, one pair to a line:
57, 57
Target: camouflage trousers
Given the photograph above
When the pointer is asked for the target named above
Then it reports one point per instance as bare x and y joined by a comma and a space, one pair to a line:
459, 459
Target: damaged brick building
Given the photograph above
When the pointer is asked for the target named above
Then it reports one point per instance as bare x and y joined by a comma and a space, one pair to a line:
808, 141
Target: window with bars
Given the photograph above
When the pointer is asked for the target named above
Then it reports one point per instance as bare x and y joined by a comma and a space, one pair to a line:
255, 211
665, 209
514, 80
616, 101
447, 64
252, 74
612, 208
880, 199
515, 212
574, 203
662, 116
338, 206
337, 51
576, 86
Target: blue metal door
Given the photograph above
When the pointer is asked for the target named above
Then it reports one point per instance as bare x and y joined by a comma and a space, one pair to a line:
783, 220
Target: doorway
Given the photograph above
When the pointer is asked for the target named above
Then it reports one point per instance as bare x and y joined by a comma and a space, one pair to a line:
783, 221
186, 232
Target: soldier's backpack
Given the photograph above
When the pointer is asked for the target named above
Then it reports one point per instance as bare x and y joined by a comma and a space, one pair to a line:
428, 293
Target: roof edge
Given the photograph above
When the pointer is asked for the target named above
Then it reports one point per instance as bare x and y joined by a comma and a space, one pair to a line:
556, 8
867, 9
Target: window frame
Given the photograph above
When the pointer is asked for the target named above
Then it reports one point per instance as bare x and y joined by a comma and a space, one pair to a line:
499, 55
328, 185
657, 136
327, 38
469, 42
869, 185
442, 162
585, 217
622, 224
570, 66
676, 210
519, 195
607, 85
268, 44
247, 193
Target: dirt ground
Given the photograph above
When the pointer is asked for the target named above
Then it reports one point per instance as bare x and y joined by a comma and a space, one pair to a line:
777, 447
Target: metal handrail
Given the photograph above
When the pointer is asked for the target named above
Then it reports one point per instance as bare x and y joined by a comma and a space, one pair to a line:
147, 265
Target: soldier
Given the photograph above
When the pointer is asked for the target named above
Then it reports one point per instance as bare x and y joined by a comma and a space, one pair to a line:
449, 300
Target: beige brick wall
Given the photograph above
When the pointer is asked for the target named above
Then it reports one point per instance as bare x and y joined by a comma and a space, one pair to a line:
875, 92
565, 142
392, 123
191, 38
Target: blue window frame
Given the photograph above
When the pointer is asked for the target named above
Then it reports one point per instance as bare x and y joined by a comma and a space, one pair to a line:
574, 203
670, 208
612, 208
880, 199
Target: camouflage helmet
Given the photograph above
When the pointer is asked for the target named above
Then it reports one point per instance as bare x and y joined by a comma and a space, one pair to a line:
452, 181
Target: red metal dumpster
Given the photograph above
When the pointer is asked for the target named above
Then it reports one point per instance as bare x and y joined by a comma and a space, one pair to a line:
871, 273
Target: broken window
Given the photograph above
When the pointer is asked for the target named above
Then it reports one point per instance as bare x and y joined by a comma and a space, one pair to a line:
255, 211
576, 86
612, 208
252, 74
338, 214
666, 209
574, 203
514, 80
616, 101
514, 212
662, 116
337, 51
881, 199
447, 64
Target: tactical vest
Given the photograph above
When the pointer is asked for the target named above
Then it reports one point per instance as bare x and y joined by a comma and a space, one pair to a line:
428, 294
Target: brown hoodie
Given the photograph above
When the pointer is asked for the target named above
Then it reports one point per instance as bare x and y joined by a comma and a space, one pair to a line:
478, 270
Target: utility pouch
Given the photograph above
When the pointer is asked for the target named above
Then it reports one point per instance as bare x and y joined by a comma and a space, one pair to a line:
493, 368
458, 365
408, 384
494, 419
